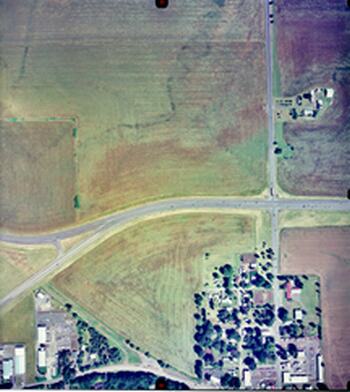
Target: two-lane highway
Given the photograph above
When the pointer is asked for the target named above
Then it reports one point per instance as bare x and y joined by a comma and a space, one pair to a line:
123, 218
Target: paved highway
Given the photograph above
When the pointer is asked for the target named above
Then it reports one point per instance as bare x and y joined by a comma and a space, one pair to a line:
123, 218
269, 95
272, 167
177, 205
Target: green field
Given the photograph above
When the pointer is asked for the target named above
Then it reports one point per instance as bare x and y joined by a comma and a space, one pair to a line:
313, 218
17, 325
158, 115
141, 281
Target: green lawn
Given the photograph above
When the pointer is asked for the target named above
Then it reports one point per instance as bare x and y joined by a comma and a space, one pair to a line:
313, 218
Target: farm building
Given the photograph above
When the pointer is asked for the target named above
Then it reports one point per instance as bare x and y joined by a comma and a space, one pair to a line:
20, 360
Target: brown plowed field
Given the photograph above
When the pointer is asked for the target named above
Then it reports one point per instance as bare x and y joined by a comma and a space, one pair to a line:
313, 47
325, 252
37, 175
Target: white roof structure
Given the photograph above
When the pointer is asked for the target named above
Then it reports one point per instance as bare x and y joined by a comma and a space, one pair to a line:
42, 334
296, 290
20, 360
7, 369
289, 378
42, 357
215, 380
247, 378
330, 93
298, 314
320, 368
308, 112
301, 355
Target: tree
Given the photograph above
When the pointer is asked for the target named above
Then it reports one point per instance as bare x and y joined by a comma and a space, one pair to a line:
226, 270
198, 350
198, 368
208, 358
198, 299
292, 350
282, 314
228, 381
76, 201
249, 361
231, 333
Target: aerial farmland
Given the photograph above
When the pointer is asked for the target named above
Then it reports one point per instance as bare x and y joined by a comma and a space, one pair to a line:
313, 46
174, 108
174, 194
40, 166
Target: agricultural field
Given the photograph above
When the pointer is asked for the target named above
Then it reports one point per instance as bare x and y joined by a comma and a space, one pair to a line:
17, 263
17, 325
168, 103
311, 218
141, 281
325, 252
38, 175
313, 50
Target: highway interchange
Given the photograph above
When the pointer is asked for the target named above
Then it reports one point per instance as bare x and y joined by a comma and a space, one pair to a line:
120, 219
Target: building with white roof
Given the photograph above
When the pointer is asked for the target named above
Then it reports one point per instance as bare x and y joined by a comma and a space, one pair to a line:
298, 314
20, 360
329, 93
247, 378
7, 369
289, 378
42, 334
42, 357
320, 368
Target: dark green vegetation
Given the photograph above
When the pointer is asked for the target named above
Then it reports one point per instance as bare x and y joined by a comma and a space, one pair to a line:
123, 380
91, 343
77, 201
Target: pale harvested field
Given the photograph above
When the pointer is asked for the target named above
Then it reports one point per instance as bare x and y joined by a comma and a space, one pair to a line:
141, 281
169, 103
19, 262
325, 252
37, 175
